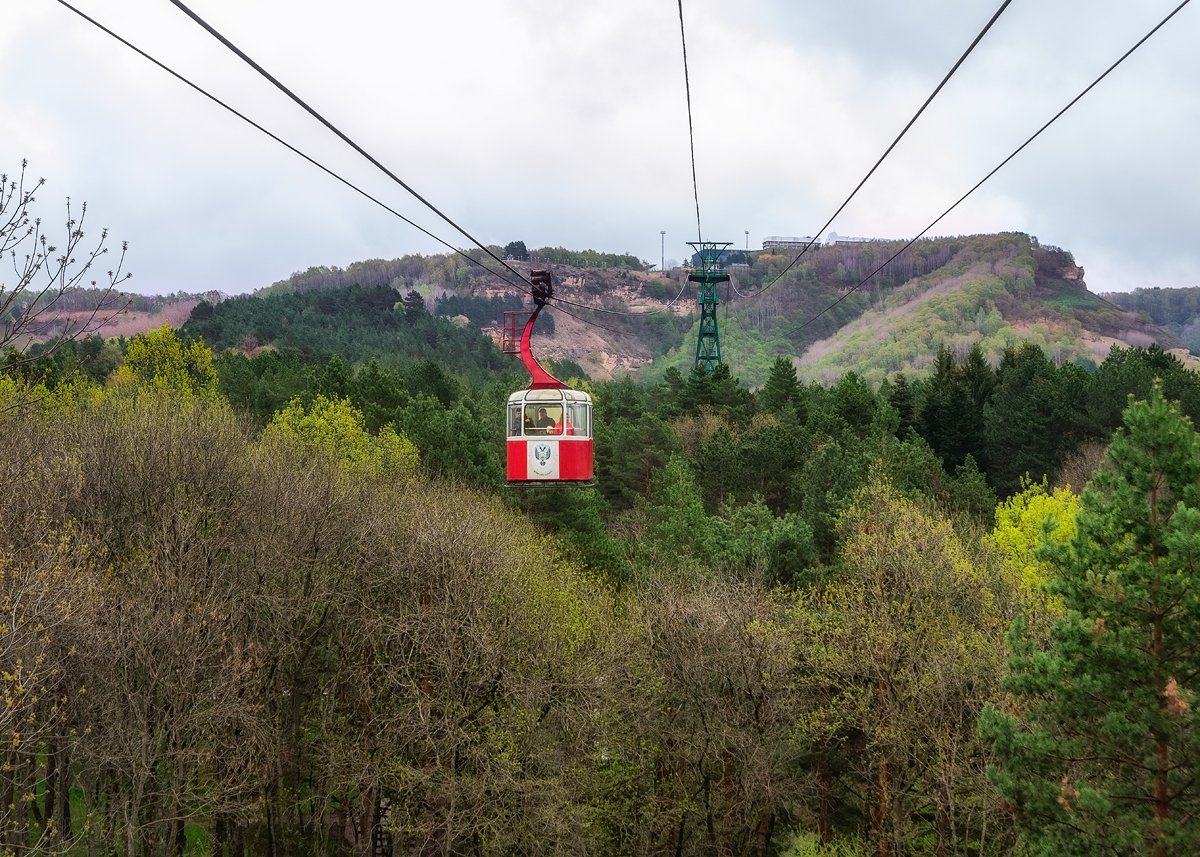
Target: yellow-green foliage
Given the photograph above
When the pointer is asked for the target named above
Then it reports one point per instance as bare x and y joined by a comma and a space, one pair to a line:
17, 395
159, 359
335, 427
1023, 522
8, 391
900, 644
964, 316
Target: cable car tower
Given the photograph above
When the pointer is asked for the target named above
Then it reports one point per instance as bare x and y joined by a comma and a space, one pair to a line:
708, 276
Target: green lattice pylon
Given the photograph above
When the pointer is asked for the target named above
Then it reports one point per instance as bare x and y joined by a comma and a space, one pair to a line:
708, 275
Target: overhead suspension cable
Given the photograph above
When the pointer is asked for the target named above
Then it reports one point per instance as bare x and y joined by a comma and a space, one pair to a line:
374, 161
338, 132
287, 145
519, 285
971, 47
687, 88
1000, 165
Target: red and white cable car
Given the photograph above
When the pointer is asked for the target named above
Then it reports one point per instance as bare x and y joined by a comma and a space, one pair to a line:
549, 424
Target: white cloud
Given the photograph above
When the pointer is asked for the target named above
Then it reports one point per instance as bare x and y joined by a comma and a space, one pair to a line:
564, 124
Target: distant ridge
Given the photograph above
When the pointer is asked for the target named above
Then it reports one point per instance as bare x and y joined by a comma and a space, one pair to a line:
997, 291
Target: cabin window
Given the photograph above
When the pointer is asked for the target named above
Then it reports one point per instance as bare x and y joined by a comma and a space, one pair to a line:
514, 420
579, 419
543, 419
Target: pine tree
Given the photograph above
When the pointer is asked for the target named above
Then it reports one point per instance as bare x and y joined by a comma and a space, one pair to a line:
781, 388
948, 419
902, 399
1100, 752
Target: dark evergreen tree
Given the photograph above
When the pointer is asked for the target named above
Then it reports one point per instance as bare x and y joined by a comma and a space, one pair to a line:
379, 393
1131, 371
782, 388
979, 377
516, 250
901, 398
414, 305
1100, 751
1023, 422
947, 418
333, 379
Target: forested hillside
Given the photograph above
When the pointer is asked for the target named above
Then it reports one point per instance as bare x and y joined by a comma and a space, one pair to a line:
991, 291
1176, 311
356, 322
994, 291
272, 601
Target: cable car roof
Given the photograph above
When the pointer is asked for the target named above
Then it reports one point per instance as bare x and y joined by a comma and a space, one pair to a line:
551, 395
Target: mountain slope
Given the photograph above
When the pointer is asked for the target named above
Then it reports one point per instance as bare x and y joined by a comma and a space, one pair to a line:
1015, 292
1176, 311
993, 290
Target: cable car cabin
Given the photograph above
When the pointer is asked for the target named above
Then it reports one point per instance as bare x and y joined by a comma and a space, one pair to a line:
549, 424
549, 436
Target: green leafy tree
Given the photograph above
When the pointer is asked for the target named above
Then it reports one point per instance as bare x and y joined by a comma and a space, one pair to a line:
1100, 749
160, 359
899, 652
335, 427
1024, 521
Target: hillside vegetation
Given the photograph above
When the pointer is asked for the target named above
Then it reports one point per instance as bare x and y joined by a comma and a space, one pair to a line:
270, 598
267, 591
991, 291
994, 291
1177, 311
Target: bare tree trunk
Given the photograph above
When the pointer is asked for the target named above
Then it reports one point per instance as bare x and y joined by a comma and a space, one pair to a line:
729, 801
824, 801
64, 795
765, 824
942, 824
20, 808
365, 828
133, 815
341, 819
8, 833
49, 801
881, 809
1162, 800
271, 821
239, 840
708, 811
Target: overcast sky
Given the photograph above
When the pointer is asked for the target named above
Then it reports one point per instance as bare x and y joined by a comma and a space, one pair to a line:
564, 123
